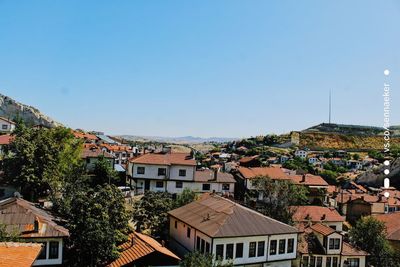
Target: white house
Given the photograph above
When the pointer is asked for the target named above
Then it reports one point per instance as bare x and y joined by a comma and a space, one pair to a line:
37, 226
173, 172
320, 245
6, 125
230, 231
301, 153
305, 215
91, 154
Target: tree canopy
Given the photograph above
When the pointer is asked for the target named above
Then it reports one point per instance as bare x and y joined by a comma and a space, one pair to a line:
197, 259
39, 160
369, 234
276, 198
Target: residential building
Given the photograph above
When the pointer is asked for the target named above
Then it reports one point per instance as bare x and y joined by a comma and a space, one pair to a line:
86, 137
5, 140
321, 245
308, 215
173, 172
228, 230
6, 125
142, 250
365, 205
35, 225
92, 153
252, 161
121, 153
18, 254
301, 153
317, 187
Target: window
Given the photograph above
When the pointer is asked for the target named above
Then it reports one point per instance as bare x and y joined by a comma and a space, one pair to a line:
305, 261
206, 187
312, 261
182, 172
4, 126
188, 230
162, 171
239, 250
290, 246
261, 249
328, 261
219, 251
353, 262
229, 251
252, 249
319, 261
178, 184
159, 184
334, 243
282, 245
207, 247
43, 252
225, 187
335, 262
272, 247
176, 224
140, 170
198, 243
53, 250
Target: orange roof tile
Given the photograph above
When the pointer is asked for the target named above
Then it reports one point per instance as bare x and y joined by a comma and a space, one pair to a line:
6, 139
310, 180
316, 214
18, 254
392, 223
274, 173
138, 246
322, 229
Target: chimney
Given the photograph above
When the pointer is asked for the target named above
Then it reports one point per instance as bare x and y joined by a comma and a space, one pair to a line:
303, 178
323, 217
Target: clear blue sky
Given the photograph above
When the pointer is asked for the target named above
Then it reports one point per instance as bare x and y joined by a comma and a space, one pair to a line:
202, 68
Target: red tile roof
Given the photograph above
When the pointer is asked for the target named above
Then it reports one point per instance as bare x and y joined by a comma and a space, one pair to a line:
310, 180
316, 214
274, 173
220, 217
94, 152
165, 159
392, 223
138, 246
6, 139
349, 250
18, 254
85, 136
208, 176
322, 229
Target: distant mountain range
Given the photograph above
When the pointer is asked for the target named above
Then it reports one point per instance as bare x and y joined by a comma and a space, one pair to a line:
10, 109
176, 140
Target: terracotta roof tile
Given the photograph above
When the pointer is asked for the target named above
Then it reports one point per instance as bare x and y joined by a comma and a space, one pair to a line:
18, 254
392, 223
208, 176
6, 139
322, 229
316, 214
274, 173
219, 217
94, 152
310, 180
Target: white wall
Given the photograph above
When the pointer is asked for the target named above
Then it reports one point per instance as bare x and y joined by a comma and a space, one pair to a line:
174, 173
151, 171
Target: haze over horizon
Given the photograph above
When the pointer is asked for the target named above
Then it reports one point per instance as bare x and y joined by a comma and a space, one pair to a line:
207, 69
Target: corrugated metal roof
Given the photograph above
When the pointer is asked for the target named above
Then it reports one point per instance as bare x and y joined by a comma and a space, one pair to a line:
219, 217
20, 215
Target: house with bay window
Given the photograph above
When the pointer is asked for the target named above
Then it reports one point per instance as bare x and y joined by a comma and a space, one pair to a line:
232, 232
322, 246
35, 225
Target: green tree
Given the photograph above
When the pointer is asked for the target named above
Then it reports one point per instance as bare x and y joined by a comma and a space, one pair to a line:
98, 222
356, 156
38, 161
330, 177
369, 234
277, 197
7, 235
197, 259
184, 198
150, 213
104, 173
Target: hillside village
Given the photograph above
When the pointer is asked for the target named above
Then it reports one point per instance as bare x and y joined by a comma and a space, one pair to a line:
262, 201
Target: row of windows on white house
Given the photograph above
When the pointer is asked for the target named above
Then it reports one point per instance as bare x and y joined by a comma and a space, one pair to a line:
179, 184
161, 171
316, 261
